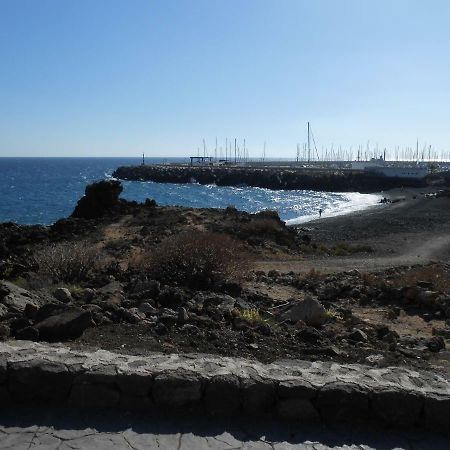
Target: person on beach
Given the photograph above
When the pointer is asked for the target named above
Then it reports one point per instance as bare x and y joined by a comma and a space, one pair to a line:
320, 212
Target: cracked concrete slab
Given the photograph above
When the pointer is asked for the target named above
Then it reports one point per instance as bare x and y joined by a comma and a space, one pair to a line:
66, 429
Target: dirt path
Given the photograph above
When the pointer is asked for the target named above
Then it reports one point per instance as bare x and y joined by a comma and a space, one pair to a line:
416, 251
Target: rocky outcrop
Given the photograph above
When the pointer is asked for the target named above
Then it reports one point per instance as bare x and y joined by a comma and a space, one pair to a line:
271, 178
99, 198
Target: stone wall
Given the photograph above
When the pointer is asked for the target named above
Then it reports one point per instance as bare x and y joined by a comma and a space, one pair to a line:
204, 384
270, 178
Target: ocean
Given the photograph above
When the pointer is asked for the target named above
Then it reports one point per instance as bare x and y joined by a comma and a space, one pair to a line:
43, 190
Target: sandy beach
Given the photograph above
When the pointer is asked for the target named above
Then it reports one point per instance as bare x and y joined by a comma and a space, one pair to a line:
413, 229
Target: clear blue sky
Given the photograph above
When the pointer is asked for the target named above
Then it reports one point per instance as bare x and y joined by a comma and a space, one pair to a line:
113, 78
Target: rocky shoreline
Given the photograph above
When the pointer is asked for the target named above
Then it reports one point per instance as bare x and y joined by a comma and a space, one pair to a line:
270, 178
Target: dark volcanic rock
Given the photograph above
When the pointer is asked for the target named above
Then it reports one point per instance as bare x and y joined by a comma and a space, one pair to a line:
28, 334
68, 324
99, 198
172, 297
15, 239
15, 298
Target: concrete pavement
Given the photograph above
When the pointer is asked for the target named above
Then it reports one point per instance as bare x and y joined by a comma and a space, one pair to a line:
63, 429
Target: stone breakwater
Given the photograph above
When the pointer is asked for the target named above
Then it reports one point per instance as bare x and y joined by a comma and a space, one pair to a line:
295, 390
270, 178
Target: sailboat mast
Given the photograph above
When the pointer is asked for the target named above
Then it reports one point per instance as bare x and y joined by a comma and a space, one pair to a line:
309, 146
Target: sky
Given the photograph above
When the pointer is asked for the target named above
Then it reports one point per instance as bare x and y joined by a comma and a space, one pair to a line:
118, 78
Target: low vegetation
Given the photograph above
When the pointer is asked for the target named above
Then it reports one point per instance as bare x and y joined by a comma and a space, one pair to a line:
197, 259
340, 249
437, 276
68, 262
253, 316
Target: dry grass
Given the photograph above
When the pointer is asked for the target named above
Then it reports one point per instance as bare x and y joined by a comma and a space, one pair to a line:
253, 316
314, 275
438, 276
340, 249
197, 259
332, 314
68, 262
263, 226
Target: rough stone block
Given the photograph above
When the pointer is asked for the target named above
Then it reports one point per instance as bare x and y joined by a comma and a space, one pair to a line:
106, 375
296, 389
258, 396
39, 380
397, 407
135, 384
437, 412
222, 395
297, 409
3, 369
136, 402
343, 402
5, 396
94, 396
177, 390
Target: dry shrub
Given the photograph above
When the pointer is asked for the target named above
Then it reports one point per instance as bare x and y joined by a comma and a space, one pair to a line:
438, 275
370, 279
68, 262
197, 259
261, 226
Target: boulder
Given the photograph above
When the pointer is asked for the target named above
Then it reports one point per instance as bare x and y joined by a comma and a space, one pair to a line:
48, 310
435, 344
308, 310
144, 289
310, 335
329, 292
62, 294
427, 298
28, 334
112, 293
358, 335
68, 324
183, 315
223, 302
132, 315
14, 298
147, 309
31, 311
172, 297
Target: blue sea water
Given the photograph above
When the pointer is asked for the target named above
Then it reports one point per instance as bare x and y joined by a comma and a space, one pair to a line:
42, 190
